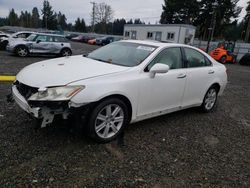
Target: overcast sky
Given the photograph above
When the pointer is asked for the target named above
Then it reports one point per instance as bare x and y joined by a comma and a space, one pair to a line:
147, 10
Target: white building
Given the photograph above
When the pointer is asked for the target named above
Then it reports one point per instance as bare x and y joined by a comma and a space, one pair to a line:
176, 33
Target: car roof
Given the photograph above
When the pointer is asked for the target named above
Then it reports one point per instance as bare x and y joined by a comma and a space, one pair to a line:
155, 43
23, 32
48, 34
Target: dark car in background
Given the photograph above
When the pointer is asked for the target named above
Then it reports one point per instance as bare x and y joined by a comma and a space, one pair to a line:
83, 38
72, 35
104, 40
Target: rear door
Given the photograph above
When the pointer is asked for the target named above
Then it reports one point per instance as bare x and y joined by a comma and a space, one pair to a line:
59, 43
200, 73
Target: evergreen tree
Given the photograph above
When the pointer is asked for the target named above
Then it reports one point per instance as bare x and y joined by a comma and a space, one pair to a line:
49, 17
80, 25
35, 20
118, 26
179, 11
13, 18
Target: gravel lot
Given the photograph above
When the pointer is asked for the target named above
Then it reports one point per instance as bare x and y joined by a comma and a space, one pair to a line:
183, 149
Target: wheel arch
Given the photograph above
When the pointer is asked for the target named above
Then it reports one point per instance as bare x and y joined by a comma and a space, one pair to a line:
122, 98
21, 45
65, 48
216, 85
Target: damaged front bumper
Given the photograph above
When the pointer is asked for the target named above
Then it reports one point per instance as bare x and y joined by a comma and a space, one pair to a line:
46, 111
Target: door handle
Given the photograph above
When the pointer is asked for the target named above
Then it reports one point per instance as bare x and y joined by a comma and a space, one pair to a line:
61, 44
211, 72
181, 76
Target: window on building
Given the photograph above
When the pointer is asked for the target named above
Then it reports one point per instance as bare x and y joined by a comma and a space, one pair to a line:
127, 33
170, 36
150, 35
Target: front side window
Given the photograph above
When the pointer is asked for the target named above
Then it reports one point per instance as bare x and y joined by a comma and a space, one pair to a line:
122, 53
169, 56
31, 37
195, 58
41, 38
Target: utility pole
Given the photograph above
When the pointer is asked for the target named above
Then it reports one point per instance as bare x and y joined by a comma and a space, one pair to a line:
212, 26
93, 16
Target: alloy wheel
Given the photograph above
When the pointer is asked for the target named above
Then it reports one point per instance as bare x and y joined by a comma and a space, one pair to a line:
109, 121
210, 99
22, 52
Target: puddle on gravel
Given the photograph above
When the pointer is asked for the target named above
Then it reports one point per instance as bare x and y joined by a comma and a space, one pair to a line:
211, 140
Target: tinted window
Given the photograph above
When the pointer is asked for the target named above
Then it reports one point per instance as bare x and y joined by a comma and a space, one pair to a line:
195, 58
170, 56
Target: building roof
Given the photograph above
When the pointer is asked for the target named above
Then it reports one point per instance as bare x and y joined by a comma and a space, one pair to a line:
161, 25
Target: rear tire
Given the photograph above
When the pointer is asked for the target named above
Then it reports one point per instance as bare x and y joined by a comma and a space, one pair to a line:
107, 120
210, 99
66, 52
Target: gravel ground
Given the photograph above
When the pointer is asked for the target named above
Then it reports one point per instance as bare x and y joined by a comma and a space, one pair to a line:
183, 149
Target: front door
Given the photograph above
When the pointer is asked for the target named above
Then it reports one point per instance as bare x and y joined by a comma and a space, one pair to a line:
164, 91
42, 44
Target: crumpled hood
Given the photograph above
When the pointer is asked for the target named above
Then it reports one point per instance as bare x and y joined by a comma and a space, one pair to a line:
62, 71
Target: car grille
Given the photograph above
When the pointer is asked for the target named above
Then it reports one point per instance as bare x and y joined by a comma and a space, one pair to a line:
25, 90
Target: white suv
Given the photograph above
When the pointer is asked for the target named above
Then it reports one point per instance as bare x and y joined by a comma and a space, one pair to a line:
39, 43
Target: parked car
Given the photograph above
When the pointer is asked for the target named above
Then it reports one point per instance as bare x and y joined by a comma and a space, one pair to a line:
92, 41
2, 37
40, 43
83, 38
18, 35
72, 35
121, 83
104, 40
245, 60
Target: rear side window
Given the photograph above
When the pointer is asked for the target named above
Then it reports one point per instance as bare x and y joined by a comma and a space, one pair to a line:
60, 39
170, 56
195, 58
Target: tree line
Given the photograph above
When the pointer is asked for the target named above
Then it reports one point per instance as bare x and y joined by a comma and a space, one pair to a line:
203, 14
52, 20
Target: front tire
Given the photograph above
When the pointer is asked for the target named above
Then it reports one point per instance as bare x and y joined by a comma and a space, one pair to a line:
107, 120
210, 99
22, 51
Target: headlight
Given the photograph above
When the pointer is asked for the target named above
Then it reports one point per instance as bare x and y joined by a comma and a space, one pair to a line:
56, 93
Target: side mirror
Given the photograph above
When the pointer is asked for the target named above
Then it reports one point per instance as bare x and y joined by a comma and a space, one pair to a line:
158, 68
38, 41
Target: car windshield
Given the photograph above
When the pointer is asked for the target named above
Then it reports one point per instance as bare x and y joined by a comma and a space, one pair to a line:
31, 37
123, 53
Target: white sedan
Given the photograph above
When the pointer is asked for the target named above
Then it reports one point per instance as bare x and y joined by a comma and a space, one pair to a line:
121, 83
